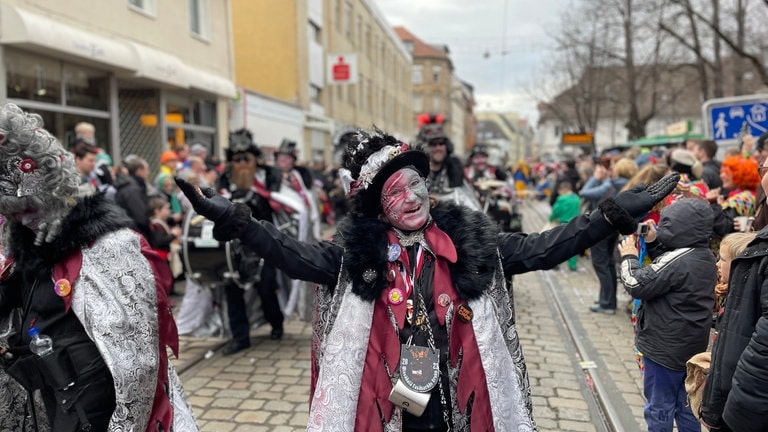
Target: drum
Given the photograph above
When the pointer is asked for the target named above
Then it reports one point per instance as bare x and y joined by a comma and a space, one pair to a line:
463, 195
205, 258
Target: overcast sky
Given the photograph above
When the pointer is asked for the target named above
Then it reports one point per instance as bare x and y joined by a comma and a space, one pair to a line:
475, 33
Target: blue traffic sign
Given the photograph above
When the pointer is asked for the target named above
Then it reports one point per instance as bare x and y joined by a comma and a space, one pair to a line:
727, 117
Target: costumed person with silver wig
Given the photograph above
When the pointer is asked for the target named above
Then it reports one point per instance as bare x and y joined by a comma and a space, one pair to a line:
91, 327
415, 328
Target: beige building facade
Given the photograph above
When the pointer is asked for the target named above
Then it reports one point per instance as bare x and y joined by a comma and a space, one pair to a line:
284, 52
382, 94
149, 74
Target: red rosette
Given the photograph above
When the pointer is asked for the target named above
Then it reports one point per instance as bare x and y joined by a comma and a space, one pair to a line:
27, 165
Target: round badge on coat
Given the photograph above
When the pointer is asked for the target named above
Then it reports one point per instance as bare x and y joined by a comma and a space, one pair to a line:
62, 287
444, 300
394, 252
396, 296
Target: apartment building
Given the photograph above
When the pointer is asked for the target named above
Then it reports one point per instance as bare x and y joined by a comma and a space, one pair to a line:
284, 55
149, 74
437, 90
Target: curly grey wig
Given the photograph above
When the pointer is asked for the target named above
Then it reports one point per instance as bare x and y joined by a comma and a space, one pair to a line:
36, 172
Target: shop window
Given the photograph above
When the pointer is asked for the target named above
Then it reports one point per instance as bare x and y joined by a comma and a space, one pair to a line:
190, 120
33, 77
85, 87
198, 18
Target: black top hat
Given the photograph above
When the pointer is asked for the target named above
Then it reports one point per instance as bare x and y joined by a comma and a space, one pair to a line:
241, 141
370, 159
479, 148
287, 147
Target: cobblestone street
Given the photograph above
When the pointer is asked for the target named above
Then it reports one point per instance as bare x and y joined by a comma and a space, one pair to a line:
266, 388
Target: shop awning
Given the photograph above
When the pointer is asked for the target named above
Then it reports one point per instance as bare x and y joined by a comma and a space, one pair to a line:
662, 140
34, 31
211, 83
39, 33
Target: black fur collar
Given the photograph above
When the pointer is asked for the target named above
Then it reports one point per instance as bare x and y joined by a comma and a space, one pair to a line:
91, 218
364, 240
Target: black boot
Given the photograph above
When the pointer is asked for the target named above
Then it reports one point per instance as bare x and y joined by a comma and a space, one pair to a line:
236, 346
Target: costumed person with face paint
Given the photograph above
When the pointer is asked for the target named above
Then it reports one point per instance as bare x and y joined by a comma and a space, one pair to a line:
415, 328
81, 278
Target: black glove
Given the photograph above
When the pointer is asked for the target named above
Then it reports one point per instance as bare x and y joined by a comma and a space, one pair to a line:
231, 219
206, 201
622, 210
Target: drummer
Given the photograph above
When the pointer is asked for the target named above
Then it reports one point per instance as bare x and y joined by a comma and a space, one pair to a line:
479, 170
250, 182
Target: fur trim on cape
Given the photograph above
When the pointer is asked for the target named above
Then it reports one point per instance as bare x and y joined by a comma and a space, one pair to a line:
92, 217
364, 240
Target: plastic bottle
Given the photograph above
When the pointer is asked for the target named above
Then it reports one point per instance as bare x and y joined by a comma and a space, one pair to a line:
41, 344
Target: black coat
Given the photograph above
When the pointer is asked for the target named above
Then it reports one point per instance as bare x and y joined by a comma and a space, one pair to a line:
362, 243
132, 197
736, 390
677, 289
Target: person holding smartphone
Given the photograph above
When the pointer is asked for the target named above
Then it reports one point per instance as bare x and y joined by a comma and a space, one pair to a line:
675, 316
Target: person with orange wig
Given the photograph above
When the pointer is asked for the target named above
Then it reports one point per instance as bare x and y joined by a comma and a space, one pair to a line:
739, 176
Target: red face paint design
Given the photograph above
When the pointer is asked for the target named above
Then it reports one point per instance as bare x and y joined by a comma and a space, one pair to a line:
405, 200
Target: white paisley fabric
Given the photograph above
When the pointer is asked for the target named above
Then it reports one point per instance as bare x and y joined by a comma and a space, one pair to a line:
115, 300
341, 367
507, 403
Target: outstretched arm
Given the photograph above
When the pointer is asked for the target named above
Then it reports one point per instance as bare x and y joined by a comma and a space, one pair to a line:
316, 262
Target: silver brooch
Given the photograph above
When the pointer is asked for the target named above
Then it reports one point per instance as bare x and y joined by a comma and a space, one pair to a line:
369, 275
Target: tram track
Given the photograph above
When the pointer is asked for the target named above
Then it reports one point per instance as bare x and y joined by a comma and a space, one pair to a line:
606, 413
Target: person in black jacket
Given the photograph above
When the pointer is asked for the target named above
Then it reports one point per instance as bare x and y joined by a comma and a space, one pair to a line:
423, 279
677, 293
248, 181
736, 390
131, 194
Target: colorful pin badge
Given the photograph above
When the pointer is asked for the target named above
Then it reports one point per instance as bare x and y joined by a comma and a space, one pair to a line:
464, 313
62, 287
394, 252
444, 300
396, 296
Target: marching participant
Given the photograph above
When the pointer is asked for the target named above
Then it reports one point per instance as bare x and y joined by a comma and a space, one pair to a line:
466, 368
95, 325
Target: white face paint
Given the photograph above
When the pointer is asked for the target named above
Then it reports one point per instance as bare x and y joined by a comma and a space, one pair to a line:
405, 200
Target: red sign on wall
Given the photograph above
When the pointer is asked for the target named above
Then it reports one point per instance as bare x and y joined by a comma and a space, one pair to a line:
342, 68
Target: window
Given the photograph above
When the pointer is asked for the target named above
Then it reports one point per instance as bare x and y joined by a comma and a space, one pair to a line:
337, 10
198, 18
351, 94
367, 47
409, 46
314, 93
436, 74
348, 20
418, 105
314, 32
145, 6
359, 41
437, 102
417, 79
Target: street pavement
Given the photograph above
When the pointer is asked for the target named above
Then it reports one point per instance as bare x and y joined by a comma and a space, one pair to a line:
571, 354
